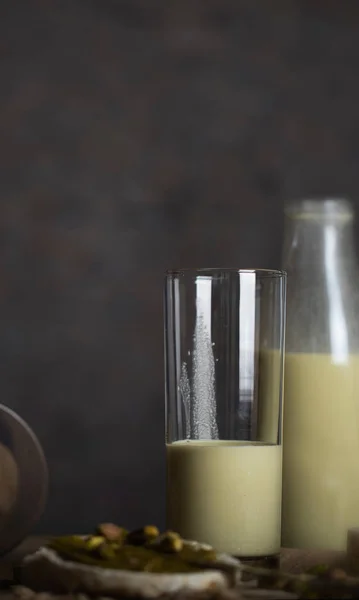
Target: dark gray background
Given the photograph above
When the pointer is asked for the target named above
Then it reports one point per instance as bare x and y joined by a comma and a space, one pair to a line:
134, 136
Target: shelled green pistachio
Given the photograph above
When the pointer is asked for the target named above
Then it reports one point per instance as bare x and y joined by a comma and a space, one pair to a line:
143, 549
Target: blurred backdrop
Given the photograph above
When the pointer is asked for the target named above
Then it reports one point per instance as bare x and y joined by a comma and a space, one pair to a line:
136, 135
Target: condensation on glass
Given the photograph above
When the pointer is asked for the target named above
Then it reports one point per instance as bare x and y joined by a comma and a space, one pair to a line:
224, 336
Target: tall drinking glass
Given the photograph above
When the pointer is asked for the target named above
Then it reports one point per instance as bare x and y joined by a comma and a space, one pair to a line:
224, 341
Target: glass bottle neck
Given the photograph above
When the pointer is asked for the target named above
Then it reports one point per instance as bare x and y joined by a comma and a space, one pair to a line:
316, 237
322, 299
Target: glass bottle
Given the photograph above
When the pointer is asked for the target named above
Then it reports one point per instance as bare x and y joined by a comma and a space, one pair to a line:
321, 390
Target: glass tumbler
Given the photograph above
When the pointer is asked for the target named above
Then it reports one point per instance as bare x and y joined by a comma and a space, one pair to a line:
224, 342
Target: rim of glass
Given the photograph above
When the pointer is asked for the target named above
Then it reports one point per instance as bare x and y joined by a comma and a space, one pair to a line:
271, 273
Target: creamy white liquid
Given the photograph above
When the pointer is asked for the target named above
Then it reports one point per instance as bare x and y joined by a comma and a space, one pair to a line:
227, 494
320, 451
